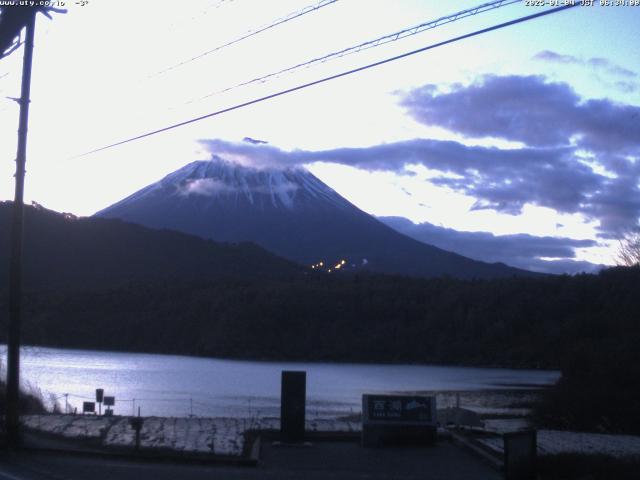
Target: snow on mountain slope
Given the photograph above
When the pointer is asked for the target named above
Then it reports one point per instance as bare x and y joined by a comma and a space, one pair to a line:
218, 181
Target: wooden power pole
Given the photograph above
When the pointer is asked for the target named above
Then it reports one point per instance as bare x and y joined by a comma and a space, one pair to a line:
15, 266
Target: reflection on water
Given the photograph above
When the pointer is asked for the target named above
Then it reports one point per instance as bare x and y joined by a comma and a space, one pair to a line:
170, 385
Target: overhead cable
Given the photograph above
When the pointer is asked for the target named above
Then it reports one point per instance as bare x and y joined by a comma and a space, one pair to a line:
391, 37
333, 77
251, 33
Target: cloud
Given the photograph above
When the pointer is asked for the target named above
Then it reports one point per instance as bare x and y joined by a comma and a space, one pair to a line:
622, 79
205, 186
529, 110
564, 178
554, 57
598, 63
257, 155
577, 156
581, 156
522, 251
212, 186
626, 87
254, 141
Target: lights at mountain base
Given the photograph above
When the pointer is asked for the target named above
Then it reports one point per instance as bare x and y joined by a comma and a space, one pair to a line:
339, 265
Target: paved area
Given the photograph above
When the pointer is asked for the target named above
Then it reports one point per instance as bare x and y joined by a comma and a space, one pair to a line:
321, 460
347, 460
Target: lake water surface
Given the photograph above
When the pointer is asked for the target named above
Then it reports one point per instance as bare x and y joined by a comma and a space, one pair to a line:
169, 385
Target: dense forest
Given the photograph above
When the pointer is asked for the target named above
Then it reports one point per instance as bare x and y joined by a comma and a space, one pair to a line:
541, 322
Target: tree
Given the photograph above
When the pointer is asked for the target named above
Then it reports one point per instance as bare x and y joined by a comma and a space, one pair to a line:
629, 250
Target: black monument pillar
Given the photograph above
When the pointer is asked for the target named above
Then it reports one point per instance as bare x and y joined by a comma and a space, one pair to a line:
292, 406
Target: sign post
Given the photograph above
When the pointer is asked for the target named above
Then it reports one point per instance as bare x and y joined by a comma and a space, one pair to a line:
136, 423
99, 398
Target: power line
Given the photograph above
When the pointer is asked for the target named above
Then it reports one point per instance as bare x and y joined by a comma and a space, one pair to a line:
251, 33
392, 37
333, 77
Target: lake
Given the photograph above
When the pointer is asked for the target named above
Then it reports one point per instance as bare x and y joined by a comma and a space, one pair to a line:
170, 385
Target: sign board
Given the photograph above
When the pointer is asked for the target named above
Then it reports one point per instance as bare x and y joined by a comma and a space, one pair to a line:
88, 407
99, 394
396, 408
396, 419
109, 401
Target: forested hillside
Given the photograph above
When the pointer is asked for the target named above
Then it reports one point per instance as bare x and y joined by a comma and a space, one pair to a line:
516, 322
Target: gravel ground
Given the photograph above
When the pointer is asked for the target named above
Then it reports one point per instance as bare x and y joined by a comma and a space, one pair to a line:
222, 436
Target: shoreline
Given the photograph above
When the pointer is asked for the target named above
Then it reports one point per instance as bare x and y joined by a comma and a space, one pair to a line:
271, 360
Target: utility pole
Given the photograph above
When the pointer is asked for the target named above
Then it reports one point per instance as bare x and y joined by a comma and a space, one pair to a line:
15, 266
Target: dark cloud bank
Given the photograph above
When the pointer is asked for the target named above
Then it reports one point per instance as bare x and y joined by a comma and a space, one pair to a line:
576, 156
521, 250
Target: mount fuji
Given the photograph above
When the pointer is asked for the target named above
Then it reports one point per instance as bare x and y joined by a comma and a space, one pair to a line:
289, 212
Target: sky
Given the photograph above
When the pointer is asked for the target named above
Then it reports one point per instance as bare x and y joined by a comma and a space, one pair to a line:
520, 145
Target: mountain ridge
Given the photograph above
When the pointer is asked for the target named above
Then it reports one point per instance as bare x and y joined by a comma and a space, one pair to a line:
61, 250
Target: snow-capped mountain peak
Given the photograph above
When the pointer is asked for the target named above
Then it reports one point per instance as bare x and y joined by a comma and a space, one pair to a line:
220, 181
289, 212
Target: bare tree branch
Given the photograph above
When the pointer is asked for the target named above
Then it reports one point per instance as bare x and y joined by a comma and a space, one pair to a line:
629, 249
